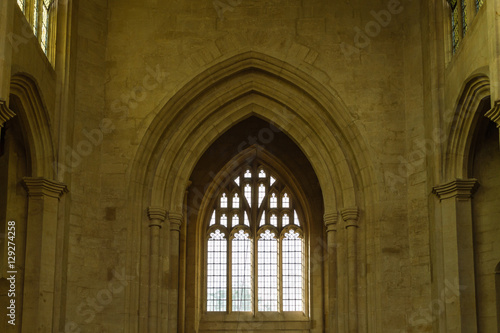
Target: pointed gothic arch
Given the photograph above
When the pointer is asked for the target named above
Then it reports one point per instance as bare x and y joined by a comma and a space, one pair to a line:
246, 85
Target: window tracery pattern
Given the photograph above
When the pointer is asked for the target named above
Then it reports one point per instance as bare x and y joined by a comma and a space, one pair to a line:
254, 237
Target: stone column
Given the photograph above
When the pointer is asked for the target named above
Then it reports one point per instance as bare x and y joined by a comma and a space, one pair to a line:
494, 114
350, 217
156, 217
492, 8
458, 255
41, 244
7, 8
175, 221
330, 221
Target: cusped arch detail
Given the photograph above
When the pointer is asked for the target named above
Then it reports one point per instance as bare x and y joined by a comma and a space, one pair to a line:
35, 123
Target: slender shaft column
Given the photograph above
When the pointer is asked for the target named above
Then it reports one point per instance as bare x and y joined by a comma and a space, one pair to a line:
7, 8
350, 217
457, 276
156, 218
41, 245
331, 233
175, 221
494, 114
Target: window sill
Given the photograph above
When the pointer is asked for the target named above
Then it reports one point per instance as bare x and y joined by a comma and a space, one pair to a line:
264, 321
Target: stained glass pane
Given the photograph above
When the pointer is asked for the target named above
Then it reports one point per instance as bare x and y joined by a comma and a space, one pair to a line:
262, 219
296, 218
235, 220
212, 219
262, 193
479, 3
455, 35
223, 201
241, 272
285, 220
292, 272
248, 194
262, 174
246, 221
464, 17
267, 272
285, 202
217, 272
223, 220
21, 4
248, 174
237, 181
35, 17
236, 201
273, 220
273, 201
272, 180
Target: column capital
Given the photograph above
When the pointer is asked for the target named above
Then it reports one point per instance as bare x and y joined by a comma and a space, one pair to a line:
175, 220
5, 112
156, 216
41, 187
350, 216
494, 113
462, 189
330, 221
157, 213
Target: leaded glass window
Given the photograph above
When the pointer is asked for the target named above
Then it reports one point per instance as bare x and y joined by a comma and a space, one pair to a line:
479, 3
254, 238
216, 272
464, 16
455, 34
21, 4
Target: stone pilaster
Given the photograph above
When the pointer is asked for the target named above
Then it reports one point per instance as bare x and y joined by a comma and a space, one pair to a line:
41, 245
350, 217
330, 221
458, 254
156, 217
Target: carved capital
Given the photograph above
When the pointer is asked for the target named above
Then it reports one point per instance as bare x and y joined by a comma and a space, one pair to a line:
330, 221
5, 113
156, 216
41, 187
175, 220
461, 189
494, 113
350, 216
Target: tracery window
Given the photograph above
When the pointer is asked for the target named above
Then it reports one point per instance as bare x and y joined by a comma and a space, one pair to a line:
255, 263
458, 11
39, 13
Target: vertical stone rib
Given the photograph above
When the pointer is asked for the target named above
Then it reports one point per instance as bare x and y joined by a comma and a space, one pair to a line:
156, 217
350, 217
330, 221
175, 221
